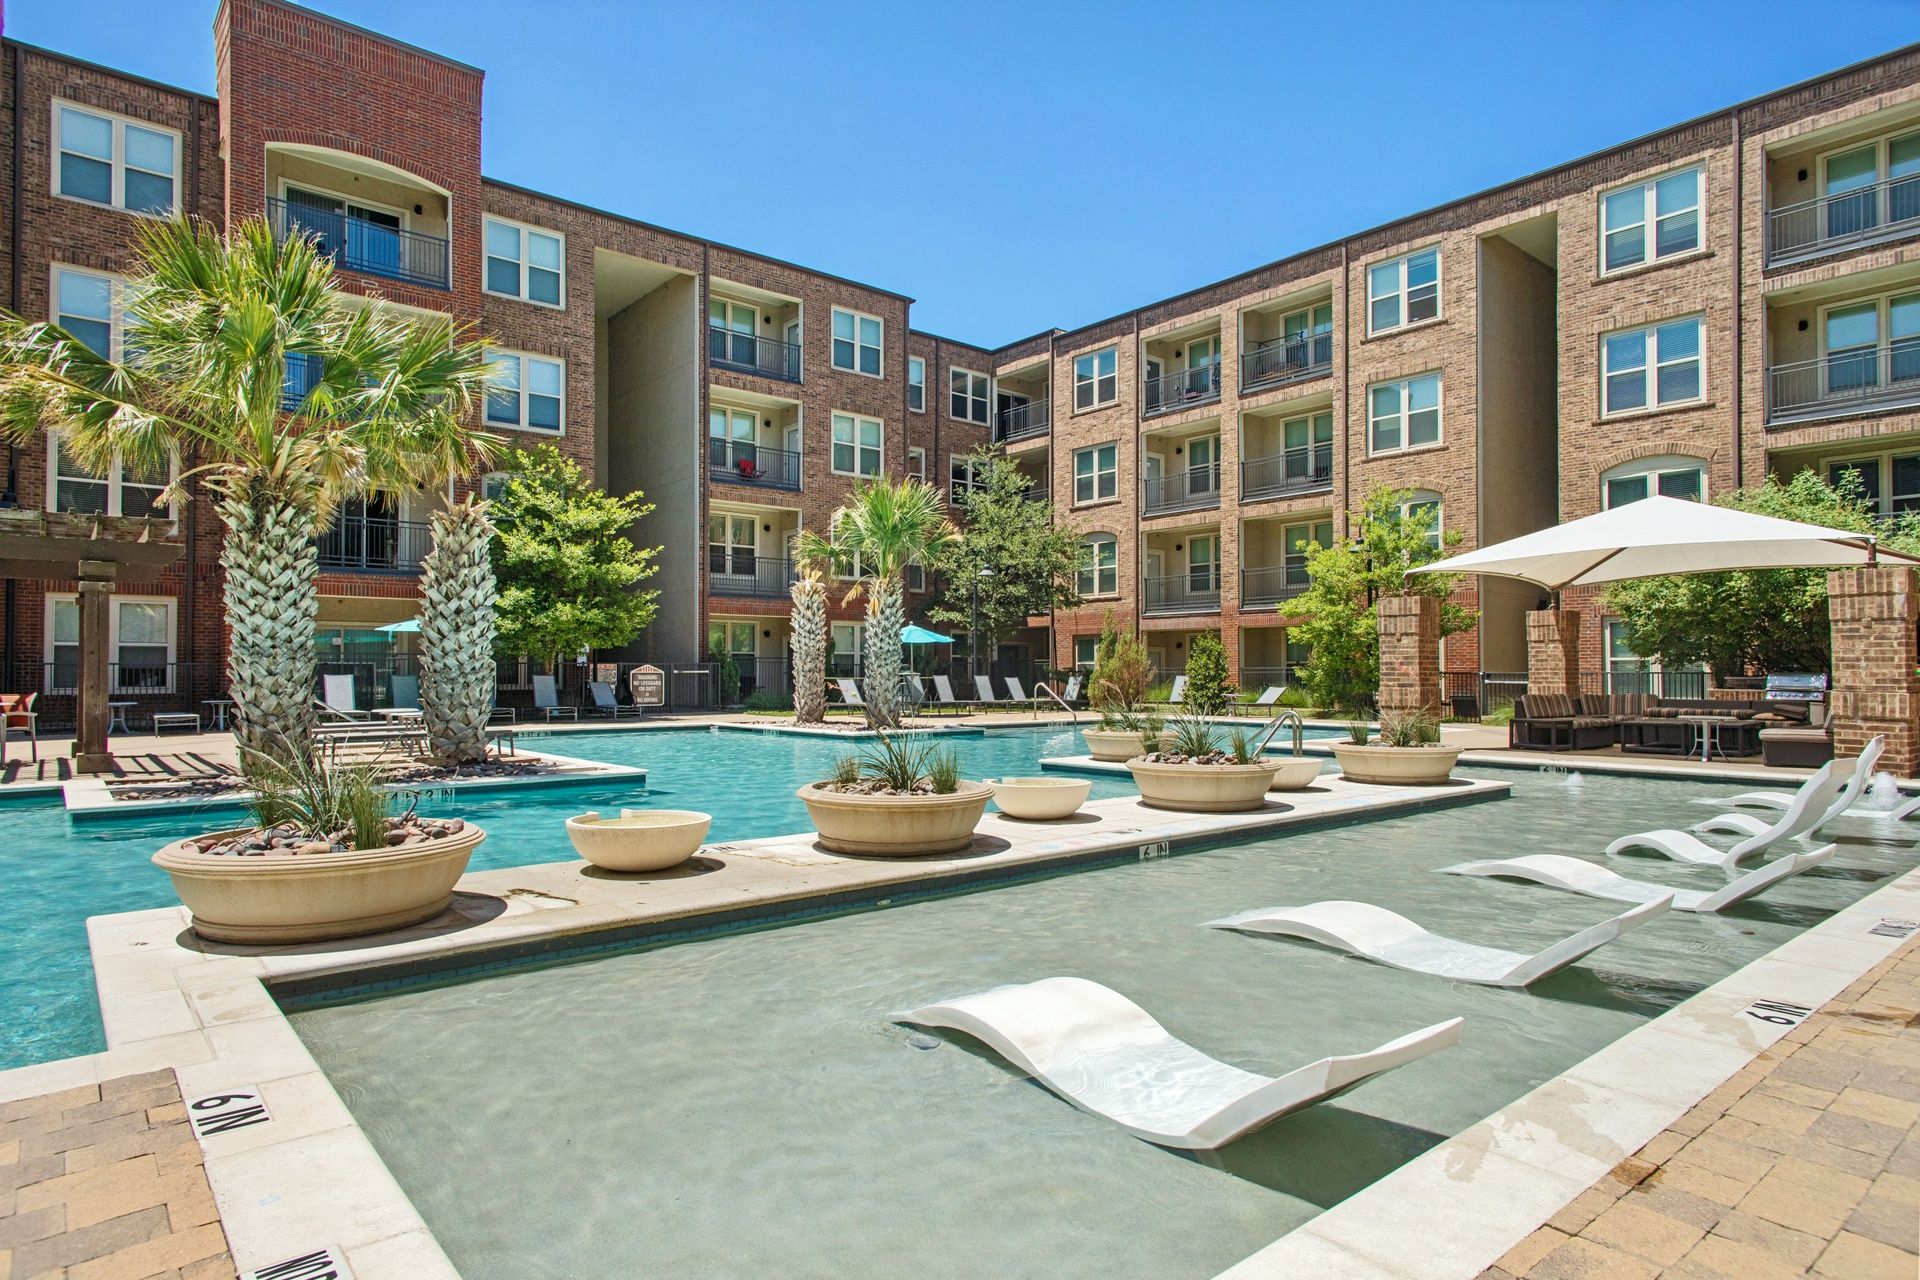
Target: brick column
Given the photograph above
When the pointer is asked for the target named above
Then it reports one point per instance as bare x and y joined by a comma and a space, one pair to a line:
1875, 614
1553, 652
1409, 654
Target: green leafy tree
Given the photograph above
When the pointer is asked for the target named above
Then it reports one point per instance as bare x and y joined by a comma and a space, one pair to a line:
1208, 686
1034, 561
1755, 620
569, 573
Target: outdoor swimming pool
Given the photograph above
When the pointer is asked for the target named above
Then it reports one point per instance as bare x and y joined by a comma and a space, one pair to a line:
744, 1104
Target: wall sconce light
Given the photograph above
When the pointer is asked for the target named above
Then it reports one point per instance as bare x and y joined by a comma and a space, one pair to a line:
1803, 326
766, 528
419, 209
1803, 175
1176, 546
766, 635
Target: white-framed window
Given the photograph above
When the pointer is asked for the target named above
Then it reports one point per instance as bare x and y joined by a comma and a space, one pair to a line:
122, 491
970, 395
916, 384
140, 643
1096, 473
1099, 565
1851, 181
107, 159
856, 445
1096, 378
1889, 482
1650, 220
1670, 476
967, 474
1293, 540
1652, 367
916, 576
1086, 650
1420, 502
1403, 291
917, 462
493, 484
849, 647
1628, 672
526, 391
1870, 342
87, 305
857, 341
527, 263
1404, 414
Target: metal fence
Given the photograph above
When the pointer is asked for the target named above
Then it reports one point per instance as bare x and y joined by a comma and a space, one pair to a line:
364, 246
1495, 690
1886, 376
1172, 391
1291, 359
1299, 470
1022, 422
764, 577
143, 688
1193, 592
374, 544
743, 462
1840, 220
1187, 489
750, 353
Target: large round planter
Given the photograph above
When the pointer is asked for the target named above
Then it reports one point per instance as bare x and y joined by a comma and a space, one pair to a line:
1202, 788
265, 901
896, 826
639, 839
1292, 773
1396, 766
1115, 745
1040, 799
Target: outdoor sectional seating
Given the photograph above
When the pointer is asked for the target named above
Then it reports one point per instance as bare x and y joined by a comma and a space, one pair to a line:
1556, 722
1552, 722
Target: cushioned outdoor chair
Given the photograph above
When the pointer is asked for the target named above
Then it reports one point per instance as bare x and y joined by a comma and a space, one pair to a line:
1552, 722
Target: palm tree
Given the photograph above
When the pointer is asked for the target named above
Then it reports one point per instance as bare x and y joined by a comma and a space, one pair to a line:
457, 670
879, 531
809, 594
212, 327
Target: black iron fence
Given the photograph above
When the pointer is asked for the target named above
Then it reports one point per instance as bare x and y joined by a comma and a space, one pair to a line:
743, 462
1022, 422
1493, 691
140, 689
364, 246
1187, 489
1300, 470
1171, 391
1886, 376
750, 353
374, 544
1197, 591
1273, 584
761, 577
1290, 359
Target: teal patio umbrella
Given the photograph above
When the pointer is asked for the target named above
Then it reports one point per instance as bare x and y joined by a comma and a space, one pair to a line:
409, 627
914, 633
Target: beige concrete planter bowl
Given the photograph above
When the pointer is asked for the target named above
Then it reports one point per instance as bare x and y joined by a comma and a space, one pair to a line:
896, 826
1202, 788
1040, 799
1291, 773
639, 839
1114, 745
1396, 766
271, 901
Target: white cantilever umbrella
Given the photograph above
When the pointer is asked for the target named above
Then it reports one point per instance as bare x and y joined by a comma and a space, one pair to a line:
1657, 536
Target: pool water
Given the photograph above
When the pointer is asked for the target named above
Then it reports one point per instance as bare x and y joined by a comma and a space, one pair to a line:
745, 1105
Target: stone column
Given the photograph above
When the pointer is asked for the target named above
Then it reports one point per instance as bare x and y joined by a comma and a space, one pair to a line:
1875, 615
1553, 652
1409, 654
90, 717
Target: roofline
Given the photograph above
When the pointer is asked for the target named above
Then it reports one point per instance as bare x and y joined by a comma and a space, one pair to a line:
958, 342
115, 72
371, 34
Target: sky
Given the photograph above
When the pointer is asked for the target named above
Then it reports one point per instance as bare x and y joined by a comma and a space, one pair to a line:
1017, 166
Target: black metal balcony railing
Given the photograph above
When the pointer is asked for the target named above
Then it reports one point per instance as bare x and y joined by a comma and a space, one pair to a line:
1859, 381
366, 247
1022, 422
1284, 360
374, 544
738, 462
1305, 469
1038, 493
1182, 390
302, 373
1826, 224
735, 573
1196, 591
750, 353
1271, 585
1188, 489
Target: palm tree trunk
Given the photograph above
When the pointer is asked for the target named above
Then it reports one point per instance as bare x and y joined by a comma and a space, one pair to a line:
809, 649
457, 671
272, 603
886, 617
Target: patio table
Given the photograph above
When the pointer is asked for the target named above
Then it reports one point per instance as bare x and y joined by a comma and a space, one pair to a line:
1657, 735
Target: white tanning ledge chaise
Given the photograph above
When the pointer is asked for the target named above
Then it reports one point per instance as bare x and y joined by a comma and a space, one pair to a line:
1106, 1055
1379, 934
1857, 773
1578, 876
1807, 809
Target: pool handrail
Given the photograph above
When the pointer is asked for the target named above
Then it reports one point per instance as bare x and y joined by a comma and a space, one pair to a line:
1044, 688
1287, 715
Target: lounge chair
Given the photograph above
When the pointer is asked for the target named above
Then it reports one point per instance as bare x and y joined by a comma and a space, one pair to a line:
1071, 694
1179, 693
405, 692
1576, 875
1391, 939
336, 702
850, 692
1899, 813
943, 692
1269, 697
546, 697
1016, 694
1107, 1056
606, 703
983, 691
1809, 807
1858, 772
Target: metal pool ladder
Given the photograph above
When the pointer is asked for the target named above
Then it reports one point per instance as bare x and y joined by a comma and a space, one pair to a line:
1044, 688
1287, 715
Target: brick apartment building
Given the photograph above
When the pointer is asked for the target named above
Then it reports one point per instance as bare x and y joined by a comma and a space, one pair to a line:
1685, 313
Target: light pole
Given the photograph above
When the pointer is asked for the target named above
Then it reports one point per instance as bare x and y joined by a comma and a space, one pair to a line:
973, 627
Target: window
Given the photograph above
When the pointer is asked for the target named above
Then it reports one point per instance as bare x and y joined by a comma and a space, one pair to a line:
917, 384
110, 160
1404, 291
733, 437
1096, 378
1670, 477
1670, 351
524, 262
493, 484
736, 640
1096, 473
1671, 204
1309, 448
1099, 565
856, 445
1850, 180
917, 462
1203, 562
526, 391
140, 635
970, 395
1425, 505
1854, 356
1293, 537
1628, 672
916, 576
1086, 650
1404, 414
1889, 483
121, 491
856, 342
967, 474
849, 643
83, 305
1298, 654
733, 543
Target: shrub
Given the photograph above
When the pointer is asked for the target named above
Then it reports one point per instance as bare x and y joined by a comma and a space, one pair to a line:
318, 797
943, 771
1409, 729
769, 700
1189, 736
1208, 686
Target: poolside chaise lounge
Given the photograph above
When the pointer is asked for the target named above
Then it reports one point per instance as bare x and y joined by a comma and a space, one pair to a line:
546, 697
983, 691
1576, 875
943, 693
607, 703
1376, 933
850, 692
1858, 772
336, 702
1269, 698
404, 692
1178, 693
1808, 809
1106, 1055
1015, 694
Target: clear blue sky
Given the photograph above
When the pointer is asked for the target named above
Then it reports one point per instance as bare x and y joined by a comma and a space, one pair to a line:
1017, 166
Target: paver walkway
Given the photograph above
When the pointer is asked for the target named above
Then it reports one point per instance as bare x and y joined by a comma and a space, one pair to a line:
1807, 1162
105, 1182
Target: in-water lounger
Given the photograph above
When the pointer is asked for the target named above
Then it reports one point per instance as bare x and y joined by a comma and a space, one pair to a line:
1106, 1055
1809, 807
1577, 875
1858, 772
1390, 938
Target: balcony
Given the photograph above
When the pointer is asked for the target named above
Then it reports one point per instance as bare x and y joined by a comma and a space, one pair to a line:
739, 574
1174, 391
742, 462
1866, 380
1196, 591
374, 544
1299, 358
1847, 220
1272, 585
1022, 422
750, 353
1038, 492
1307, 469
1188, 489
303, 372
363, 246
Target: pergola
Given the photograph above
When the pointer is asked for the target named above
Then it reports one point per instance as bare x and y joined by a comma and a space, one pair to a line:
98, 553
